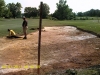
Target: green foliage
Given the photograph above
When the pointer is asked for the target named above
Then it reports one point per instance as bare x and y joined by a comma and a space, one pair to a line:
80, 14
16, 24
90, 13
45, 10
15, 9
63, 11
7, 13
75, 72
71, 72
34, 12
31, 12
2, 6
51, 18
89, 72
10, 10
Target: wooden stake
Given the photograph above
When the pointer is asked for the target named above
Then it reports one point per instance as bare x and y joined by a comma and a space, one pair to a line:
39, 39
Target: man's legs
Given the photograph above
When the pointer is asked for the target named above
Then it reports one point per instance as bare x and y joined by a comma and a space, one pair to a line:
25, 32
10, 37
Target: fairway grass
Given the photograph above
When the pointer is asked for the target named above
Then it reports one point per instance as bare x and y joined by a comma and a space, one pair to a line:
16, 25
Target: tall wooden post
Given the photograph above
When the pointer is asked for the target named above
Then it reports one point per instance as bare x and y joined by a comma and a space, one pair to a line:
39, 39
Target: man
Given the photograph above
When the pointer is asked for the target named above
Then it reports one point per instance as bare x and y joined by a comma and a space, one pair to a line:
12, 34
24, 25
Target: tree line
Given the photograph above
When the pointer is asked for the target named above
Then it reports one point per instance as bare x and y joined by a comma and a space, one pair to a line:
12, 10
62, 12
90, 13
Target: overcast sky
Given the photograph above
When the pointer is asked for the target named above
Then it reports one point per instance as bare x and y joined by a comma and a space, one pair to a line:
76, 5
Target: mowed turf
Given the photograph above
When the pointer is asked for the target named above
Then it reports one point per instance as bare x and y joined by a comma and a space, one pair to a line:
16, 25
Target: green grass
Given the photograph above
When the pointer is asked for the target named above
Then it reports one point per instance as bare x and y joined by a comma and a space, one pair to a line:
16, 25
91, 25
75, 72
89, 18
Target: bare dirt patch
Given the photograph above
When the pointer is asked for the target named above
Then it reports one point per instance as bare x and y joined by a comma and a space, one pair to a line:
61, 48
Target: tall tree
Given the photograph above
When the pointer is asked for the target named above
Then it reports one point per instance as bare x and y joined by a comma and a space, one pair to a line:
90, 13
30, 12
45, 10
80, 14
34, 12
18, 9
63, 11
15, 9
27, 12
7, 13
2, 6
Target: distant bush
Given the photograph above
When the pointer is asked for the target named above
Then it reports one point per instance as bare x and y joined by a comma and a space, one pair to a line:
52, 18
84, 18
7, 17
35, 17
